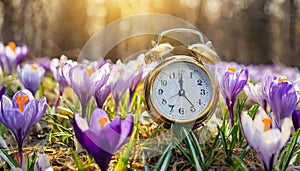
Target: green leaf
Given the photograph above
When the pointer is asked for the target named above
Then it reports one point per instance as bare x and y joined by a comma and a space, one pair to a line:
145, 168
198, 148
289, 153
238, 165
2, 128
192, 149
213, 153
123, 160
163, 156
166, 163
224, 142
240, 105
232, 145
45, 142
252, 112
244, 152
180, 148
6, 157
77, 161
59, 125
30, 162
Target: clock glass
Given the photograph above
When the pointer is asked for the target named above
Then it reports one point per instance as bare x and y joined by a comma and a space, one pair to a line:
182, 91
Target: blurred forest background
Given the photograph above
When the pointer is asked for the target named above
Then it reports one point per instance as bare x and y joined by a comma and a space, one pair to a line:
245, 31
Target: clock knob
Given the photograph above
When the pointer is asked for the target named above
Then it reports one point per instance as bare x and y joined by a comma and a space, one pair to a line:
158, 51
204, 52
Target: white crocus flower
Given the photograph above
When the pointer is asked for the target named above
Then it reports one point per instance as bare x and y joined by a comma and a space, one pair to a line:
265, 137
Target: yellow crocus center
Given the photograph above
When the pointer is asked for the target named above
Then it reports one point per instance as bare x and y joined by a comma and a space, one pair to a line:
61, 63
232, 69
34, 67
102, 121
138, 68
120, 71
90, 70
267, 122
21, 100
12, 46
283, 79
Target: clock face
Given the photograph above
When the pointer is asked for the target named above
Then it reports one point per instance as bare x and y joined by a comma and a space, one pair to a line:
181, 91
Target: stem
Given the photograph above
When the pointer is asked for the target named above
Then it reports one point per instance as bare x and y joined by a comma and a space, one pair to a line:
230, 105
129, 100
20, 154
61, 90
117, 107
57, 102
83, 108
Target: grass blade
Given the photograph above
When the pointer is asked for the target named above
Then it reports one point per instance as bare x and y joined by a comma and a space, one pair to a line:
163, 156
166, 163
77, 161
197, 145
123, 160
244, 152
10, 161
192, 149
224, 142
288, 154
179, 147
145, 168
238, 165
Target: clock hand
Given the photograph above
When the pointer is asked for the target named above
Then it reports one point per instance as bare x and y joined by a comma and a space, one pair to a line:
174, 95
188, 100
180, 81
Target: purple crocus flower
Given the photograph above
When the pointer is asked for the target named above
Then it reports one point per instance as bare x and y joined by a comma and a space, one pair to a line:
102, 138
85, 80
255, 93
102, 94
20, 114
232, 82
120, 80
45, 62
42, 163
281, 96
31, 76
56, 69
2, 91
135, 69
11, 55
265, 137
296, 119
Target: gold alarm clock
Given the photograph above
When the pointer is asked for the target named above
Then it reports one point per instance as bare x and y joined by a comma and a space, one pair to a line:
181, 88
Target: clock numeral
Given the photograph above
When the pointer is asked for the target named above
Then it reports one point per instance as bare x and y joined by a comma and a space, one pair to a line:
164, 101
191, 75
202, 92
200, 102
180, 72
181, 111
192, 109
172, 75
160, 91
171, 107
163, 82
199, 82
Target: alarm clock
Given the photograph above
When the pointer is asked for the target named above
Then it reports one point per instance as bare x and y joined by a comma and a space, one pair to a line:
181, 88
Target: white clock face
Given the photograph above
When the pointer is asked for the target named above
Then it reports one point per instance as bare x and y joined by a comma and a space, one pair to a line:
181, 91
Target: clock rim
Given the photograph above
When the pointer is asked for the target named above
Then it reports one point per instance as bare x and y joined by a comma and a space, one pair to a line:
161, 118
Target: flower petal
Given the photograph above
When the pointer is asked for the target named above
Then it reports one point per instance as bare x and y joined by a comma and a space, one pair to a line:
126, 130
102, 157
99, 78
30, 114
96, 116
247, 127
